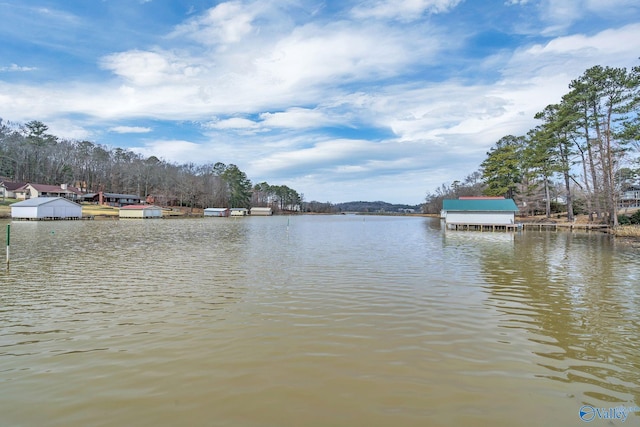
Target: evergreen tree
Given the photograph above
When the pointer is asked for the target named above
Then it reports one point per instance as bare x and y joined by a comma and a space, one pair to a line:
502, 169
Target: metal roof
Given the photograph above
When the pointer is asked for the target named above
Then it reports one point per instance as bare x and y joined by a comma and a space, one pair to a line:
10, 185
477, 205
114, 195
39, 201
121, 196
134, 207
54, 188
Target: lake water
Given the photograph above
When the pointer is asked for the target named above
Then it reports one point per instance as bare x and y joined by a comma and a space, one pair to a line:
315, 321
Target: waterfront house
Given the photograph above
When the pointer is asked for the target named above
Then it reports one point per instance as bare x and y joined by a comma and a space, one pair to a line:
260, 211
46, 208
112, 199
8, 188
140, 211
238, 212
630, 197
30, 191
217, 212
478, 212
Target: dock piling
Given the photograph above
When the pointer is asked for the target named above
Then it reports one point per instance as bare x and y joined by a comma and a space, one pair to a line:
8, 244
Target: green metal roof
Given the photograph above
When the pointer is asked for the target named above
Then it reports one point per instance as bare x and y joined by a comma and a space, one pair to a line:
475, 205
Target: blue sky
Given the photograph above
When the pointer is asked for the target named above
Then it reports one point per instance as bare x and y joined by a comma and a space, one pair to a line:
339, 100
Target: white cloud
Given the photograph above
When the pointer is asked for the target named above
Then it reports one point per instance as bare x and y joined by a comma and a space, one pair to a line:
404, 10
225, 23
298, 118
16, 67
175, 150
606, 43
130, 129
340, 52
68, 129
324, 152
56, 16
144, 68
299, 67
559, 15
232, 123
237, 124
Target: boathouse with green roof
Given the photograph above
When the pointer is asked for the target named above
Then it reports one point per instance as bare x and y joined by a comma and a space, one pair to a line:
478, 212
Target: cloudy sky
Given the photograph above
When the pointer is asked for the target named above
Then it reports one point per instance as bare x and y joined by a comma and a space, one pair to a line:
340, 100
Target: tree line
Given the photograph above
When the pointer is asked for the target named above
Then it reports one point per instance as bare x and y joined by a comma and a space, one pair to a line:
584, 149
28, 153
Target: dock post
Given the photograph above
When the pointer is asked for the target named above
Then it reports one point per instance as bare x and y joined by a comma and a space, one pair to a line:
8, 243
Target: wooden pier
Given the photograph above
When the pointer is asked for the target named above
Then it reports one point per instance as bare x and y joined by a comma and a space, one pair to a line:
528, 226
540, 226
483, 227
566, 226
55, 218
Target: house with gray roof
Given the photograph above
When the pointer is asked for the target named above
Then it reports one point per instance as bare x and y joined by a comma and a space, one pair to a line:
112, 199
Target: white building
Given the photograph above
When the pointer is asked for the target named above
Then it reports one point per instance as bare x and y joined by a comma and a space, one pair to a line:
46, 208
140, 211
479, 211
258, 211
238, 211
217, 212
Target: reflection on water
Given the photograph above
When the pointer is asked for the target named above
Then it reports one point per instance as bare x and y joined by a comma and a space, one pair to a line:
327, 320
578, 300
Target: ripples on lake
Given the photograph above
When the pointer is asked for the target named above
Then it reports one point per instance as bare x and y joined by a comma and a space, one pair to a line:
327, 320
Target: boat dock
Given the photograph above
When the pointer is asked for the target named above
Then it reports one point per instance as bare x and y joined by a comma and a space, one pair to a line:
528, 226
563, 226
483, 227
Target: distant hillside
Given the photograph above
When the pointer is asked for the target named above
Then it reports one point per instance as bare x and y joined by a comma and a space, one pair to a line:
373, 207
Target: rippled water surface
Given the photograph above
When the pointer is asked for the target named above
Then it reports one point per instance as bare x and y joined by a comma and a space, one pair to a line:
314, 321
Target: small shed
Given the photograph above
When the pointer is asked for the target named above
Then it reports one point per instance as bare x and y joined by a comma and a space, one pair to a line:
217, 212
259, 211
140, 211
479, 211
46, 208
238, 212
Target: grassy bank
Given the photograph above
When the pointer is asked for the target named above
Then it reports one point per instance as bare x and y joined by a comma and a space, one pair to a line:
626, 231
99, 211
5, 210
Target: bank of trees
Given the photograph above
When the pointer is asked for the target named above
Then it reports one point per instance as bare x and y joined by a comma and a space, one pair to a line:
278, 196
28, 153
472, 185
583, 148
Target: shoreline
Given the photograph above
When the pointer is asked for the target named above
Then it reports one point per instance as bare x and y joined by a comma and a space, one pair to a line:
103, 213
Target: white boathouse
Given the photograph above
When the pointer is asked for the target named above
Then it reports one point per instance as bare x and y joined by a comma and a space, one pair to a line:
140, 211
261, 211
216, 212
479, 213
46, 208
